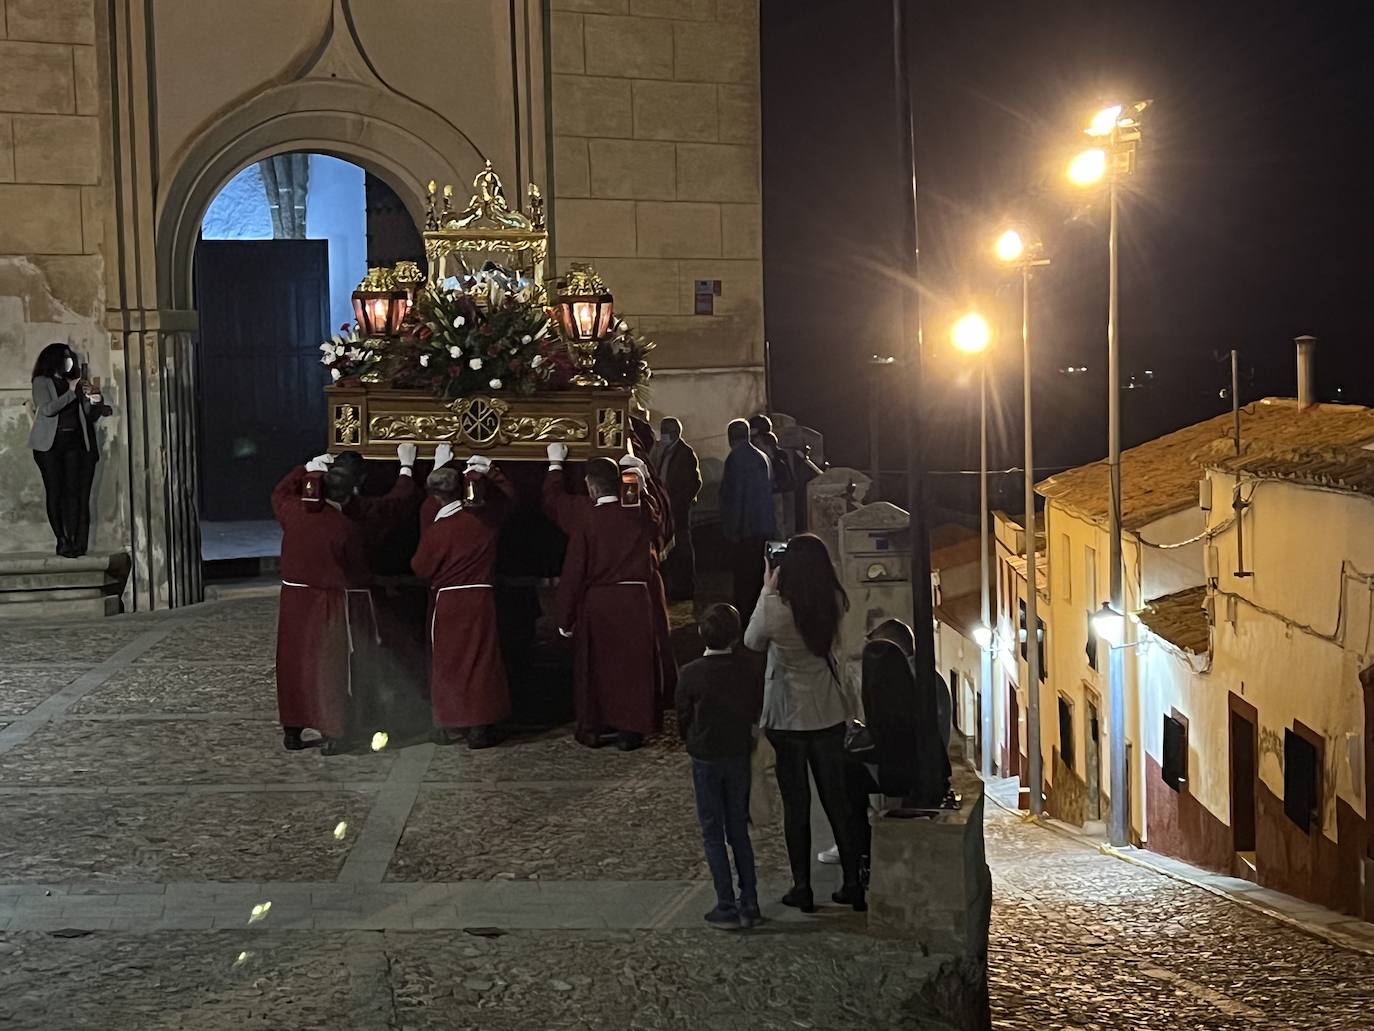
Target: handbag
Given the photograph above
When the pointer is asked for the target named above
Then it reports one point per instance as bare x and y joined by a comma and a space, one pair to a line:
858, 742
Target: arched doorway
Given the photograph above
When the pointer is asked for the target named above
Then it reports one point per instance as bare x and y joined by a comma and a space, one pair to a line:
281, 247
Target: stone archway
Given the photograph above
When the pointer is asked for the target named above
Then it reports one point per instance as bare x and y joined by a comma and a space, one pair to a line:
403, 142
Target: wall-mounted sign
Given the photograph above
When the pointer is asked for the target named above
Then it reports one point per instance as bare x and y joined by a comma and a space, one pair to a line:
707, 290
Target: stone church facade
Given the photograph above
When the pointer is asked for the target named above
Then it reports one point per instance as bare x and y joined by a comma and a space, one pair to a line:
121, 119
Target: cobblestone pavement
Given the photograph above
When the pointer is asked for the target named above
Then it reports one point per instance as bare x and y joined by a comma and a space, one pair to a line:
148, 815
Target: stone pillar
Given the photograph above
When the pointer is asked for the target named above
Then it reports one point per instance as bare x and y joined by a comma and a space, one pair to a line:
931, 886
151, 346
829, 496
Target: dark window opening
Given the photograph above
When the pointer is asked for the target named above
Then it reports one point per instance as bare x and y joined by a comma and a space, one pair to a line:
1301, 781
1175, 763
1066, 745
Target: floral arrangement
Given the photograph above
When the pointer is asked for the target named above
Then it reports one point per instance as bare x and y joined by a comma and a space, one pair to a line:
346, 353
486, 331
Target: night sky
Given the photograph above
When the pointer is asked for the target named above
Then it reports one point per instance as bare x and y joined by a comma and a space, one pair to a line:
1245, 225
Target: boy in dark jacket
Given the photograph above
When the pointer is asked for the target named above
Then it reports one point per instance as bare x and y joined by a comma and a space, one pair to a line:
719, 697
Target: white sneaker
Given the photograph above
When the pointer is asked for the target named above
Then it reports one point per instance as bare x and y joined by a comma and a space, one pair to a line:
830, 857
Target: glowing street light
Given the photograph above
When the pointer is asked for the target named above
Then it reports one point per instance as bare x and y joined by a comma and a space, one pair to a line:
1009, 247
971, 333
982, 637
1104, 123
1109, 625
1088, 167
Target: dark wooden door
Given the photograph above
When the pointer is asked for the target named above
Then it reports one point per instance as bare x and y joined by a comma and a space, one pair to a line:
264, 311
1242, 783
1011, 767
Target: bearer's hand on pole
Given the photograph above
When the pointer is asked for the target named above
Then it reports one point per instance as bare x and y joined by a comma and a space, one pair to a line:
558, 454
478, 464
319, 464
443, 455
406, 453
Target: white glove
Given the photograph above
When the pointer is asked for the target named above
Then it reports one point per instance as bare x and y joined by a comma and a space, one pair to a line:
564, 633
479, 464
95, 399
406, 453
443, 455
558, 453
637, 464
319, 464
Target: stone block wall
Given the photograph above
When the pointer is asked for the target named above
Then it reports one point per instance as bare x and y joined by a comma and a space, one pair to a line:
53, 190
656, 182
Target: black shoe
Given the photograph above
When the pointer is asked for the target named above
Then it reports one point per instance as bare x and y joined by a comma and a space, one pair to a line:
446, 736
62, 547
589, 739
800, 898
484, 737
291, 739
850, 895
628, 742
724, 918
337, 745
749, 916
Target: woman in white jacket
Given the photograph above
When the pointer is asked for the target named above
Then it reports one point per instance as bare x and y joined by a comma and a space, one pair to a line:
797, 620
64, 444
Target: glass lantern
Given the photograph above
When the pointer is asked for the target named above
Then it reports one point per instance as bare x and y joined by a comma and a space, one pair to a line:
380, 304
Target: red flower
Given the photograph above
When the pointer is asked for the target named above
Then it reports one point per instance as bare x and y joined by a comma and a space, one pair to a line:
424, 333
516, 365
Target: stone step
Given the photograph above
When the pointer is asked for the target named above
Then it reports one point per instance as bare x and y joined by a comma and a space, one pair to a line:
38, 585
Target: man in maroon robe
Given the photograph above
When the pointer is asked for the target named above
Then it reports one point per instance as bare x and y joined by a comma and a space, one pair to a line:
325, 620
605, 605
457, 555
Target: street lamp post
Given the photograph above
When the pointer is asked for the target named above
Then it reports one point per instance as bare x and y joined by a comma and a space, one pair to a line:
972, 335
1023, 252
1118, 130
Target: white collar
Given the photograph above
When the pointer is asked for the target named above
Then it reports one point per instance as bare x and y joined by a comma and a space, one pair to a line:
717, 651
448, 510
610, 500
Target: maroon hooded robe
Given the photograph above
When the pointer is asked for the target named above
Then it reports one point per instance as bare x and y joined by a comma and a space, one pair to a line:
457, 555
604, 599
325, 619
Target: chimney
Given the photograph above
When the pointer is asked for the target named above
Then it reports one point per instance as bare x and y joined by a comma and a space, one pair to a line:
1307, 371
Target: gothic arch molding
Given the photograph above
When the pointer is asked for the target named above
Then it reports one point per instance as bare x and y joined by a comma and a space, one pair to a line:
395, 138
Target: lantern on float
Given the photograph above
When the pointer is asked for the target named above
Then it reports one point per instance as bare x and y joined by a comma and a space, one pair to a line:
380, 304
585, 316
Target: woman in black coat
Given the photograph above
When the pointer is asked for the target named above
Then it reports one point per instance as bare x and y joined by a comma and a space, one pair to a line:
64, 445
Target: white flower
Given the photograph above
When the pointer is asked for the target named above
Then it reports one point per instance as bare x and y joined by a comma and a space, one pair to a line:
326, 359
424, 361
527, 339
536, 361
355, 354
459, 322
454, 351
335, 375
495, 384
621, 325
543, 331
474, 364
327, 346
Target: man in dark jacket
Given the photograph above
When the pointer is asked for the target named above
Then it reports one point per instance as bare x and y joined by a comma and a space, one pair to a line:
677, 467
747, 517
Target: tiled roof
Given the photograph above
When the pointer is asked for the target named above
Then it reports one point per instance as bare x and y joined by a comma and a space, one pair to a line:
1335, 468
1160, 476
1179, 619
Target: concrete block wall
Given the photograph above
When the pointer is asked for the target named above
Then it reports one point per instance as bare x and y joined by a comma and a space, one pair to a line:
656, 182
53, 200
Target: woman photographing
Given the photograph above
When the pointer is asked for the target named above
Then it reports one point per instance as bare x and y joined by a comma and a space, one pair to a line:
63, 440
797, 620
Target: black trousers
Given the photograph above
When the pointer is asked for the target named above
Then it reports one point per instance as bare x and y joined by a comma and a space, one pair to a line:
68, 468
858, 785
821, 751
746, 569
679, 569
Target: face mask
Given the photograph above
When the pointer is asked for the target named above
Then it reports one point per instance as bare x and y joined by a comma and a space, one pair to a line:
69, 364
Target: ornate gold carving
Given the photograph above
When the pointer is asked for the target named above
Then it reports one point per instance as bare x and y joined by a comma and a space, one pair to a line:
479, 418
379, 279
348, 425
548, 429
413, 426
610, 428
487, 224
